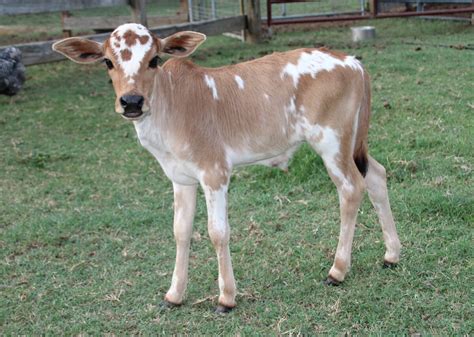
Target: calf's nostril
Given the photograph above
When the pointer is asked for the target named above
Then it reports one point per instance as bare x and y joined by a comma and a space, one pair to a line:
123, 102
140, 102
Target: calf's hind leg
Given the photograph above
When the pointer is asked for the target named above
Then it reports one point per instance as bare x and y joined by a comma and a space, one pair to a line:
350, 188
376, 182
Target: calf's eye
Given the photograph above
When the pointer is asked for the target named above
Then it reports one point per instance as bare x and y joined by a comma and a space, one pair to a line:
109, 63
154, 62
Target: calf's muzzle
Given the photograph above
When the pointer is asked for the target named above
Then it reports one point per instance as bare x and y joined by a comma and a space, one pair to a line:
132, 105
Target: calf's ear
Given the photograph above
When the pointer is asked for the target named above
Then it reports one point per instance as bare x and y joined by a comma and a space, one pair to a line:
182, 44
80, 50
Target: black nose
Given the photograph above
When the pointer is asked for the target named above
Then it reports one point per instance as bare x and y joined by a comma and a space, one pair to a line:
131, 102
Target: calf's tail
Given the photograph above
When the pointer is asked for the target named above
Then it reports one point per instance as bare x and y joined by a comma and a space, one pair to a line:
360, 154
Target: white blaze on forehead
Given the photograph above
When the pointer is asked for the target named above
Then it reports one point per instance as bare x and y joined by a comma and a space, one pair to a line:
240, 82
212, 85
130, 43
315, 62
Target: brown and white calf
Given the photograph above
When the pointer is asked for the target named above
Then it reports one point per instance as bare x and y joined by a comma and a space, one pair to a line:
199, 123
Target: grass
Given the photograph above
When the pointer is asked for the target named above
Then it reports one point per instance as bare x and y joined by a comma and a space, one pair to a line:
85, 224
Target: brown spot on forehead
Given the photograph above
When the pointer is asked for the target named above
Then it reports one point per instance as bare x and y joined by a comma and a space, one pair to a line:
143, 39
117, 36
130, 37
126, 54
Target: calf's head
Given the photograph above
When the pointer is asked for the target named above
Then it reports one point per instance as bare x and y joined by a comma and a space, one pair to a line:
132, 56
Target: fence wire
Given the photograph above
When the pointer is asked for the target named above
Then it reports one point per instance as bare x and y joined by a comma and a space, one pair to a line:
200, 10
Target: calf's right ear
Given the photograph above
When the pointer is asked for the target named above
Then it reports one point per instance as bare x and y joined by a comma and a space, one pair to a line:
182, 44
80, 50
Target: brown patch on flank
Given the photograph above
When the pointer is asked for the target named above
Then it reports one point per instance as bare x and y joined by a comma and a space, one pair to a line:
126, 54
143, 39
117, 45
130, 38
216, 180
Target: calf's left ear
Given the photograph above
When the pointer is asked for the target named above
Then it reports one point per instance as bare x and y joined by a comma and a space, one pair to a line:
182, 44
80, 50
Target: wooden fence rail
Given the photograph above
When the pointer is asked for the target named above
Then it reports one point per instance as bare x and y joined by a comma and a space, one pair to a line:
41, 52
12, 7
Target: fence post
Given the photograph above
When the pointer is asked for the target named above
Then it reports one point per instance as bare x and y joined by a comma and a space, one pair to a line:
184, 8
373, 8
64, 15
213, 9
190, 11
138, 11
254, 21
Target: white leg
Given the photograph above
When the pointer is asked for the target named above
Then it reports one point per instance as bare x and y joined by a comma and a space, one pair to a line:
350, 196
219, 233
184, 209
376, 182
350, 187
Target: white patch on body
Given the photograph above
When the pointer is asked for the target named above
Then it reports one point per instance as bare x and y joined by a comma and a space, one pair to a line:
178, 170
240, 82
212, 85
137, 50
315, 62
325, 141
217, 208
266, 97
290, 108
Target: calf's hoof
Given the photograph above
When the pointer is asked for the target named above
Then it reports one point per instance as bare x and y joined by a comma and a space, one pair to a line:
169, 305
222, 309
331, 281
388, 265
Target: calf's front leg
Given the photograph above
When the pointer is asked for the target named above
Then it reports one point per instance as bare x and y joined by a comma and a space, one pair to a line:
184, 209
219, 232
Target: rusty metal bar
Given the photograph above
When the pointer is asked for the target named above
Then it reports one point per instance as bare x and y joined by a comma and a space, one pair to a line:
373, 14
431, 12
269, 12
286, 1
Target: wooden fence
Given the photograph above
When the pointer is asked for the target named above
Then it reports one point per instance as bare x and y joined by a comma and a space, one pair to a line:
12, 7
41, 52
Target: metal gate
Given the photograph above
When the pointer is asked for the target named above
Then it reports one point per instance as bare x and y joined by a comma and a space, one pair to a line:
325, 11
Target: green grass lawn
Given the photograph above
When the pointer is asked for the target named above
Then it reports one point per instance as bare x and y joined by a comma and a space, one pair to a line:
86, 214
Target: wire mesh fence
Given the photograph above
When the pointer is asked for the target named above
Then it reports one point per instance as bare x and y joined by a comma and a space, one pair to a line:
326, 10
213, 9
200, 10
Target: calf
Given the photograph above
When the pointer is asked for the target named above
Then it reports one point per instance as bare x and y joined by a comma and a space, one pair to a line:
199, 123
